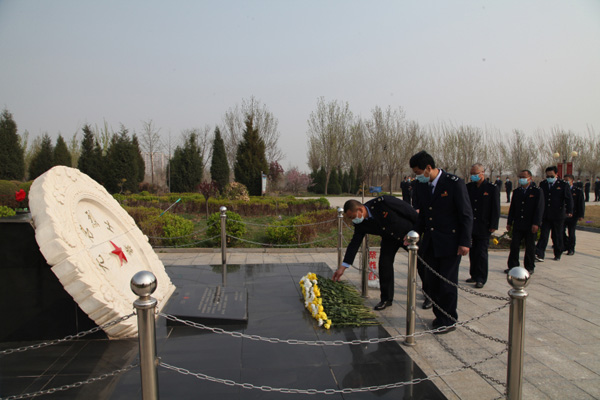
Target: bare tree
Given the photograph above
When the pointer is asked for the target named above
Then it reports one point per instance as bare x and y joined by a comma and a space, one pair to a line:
520, 152
589, 156
263, 120
151, 143
74, 148
328, 126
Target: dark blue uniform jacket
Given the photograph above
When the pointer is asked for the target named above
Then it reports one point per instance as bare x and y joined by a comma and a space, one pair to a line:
526, 208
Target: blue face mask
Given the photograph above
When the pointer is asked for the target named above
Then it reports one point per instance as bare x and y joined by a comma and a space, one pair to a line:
358, 220
551, 180
523, 181
475, 178
422, 178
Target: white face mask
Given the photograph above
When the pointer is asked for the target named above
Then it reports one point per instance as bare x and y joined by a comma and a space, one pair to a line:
358, 220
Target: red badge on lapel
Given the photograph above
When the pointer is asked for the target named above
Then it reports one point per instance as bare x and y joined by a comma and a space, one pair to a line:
445, 193
486, 194
531, 195
385, 213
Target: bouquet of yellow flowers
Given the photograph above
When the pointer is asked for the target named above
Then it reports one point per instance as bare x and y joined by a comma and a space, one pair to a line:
334, 303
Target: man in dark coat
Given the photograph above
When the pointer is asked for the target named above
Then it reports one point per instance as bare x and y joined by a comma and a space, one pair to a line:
586, 189
445, 223
405, 186
524, 217
508, 187
485, 202
558, 206
385, 216
597, 189
578, 214
498, 183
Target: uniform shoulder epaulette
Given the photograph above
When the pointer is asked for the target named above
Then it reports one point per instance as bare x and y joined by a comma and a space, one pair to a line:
452, 177
380, 198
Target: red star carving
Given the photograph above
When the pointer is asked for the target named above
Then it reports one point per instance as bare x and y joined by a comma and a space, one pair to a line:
119, 252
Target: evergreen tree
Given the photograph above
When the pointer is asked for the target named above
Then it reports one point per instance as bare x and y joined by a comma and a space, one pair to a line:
61, 153
186, 166
219, 167
334, 183
122, 167
345, 182
90, 161
12, 160
359, 178
318, 179
43, 159
137, 155
351, 181
251, 160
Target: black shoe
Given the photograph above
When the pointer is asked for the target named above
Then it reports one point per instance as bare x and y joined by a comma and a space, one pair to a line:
570, 252
538, 259
383, 304
507, 270
530, 271
436, 325
556, 258
427, 304
470, 280
479, 285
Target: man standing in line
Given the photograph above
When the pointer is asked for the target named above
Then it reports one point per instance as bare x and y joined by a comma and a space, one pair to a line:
524, 217
485, 202
597, 189
498, 184
558, 206
405, 186
445, 223
587, 187
508, 186
385, 216
578, 214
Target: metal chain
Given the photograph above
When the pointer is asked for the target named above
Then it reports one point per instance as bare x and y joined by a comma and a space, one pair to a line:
287, 226
181, 237
72, 385
468, 290
188, 244
316, 342
283, 245
66, 338
266, 388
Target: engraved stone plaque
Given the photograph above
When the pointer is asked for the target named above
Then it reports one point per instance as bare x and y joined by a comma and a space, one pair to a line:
93, 246
209, 304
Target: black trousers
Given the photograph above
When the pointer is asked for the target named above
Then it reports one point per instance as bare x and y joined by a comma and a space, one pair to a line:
389, 248
557, 228
508, 196
513, 257
570, 224
442, 293
478, 256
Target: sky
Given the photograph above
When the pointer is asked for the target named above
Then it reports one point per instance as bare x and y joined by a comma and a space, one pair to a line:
502, 65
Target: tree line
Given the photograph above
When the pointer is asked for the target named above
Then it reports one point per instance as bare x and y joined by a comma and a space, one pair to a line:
382, 143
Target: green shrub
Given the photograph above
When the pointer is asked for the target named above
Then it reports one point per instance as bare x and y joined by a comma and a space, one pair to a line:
302, 228
165, 230
233, 227
6, 211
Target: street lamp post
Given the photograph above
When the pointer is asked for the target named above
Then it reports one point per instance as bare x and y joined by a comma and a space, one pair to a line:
563, 170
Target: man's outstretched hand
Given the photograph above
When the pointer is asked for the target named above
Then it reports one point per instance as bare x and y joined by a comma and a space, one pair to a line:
338, 273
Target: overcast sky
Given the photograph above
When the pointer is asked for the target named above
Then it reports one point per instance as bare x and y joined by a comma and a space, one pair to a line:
500, 64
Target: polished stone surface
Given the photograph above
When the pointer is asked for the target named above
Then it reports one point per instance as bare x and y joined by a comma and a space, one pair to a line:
275, 309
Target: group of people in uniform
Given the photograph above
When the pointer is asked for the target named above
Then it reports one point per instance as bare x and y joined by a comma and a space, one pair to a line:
455, 219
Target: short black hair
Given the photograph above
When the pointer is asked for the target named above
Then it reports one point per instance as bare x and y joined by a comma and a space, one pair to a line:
569, 176
351, 205
552, 168
528, 172
421, 160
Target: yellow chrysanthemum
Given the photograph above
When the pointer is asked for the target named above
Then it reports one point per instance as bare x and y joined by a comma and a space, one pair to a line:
327, 326
495, 241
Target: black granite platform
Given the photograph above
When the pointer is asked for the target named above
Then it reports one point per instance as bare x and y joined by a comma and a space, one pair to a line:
275, 309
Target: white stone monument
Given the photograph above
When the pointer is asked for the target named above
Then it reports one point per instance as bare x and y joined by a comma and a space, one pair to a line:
93, 246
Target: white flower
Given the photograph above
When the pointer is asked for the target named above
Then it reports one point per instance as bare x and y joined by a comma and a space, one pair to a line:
320, 322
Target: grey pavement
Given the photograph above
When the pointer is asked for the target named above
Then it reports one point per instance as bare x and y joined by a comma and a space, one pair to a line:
562, 345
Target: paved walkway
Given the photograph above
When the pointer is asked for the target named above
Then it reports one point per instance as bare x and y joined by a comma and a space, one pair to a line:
562, 344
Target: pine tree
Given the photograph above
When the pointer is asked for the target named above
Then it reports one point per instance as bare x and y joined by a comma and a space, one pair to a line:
122, 166
318, 178
345, 182
359, 178
137, 155
186, 166
12, 159
61, 153
334, 184
90, 161
219, 168
251, 160
351, 181
43, 160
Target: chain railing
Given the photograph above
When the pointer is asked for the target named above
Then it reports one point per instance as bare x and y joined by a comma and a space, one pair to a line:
67, 338
71, 385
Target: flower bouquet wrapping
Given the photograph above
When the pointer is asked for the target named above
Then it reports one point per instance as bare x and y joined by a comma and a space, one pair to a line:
334, 303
